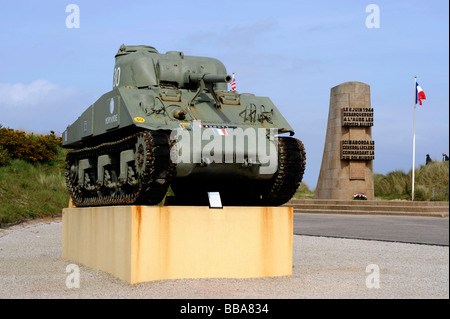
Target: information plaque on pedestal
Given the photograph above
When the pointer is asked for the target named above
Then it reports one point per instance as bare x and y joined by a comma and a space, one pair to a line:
214, 200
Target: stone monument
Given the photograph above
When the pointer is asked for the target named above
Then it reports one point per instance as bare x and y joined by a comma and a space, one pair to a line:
347, 163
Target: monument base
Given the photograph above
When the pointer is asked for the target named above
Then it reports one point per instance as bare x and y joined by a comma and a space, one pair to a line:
145, 243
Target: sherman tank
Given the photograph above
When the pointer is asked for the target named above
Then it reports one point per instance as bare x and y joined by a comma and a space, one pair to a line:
171, 126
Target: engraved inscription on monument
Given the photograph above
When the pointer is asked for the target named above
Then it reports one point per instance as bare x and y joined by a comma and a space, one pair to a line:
357, 116
357, 150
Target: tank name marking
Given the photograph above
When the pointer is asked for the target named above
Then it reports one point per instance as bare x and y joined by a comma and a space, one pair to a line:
217, 126
218, 129
112, 119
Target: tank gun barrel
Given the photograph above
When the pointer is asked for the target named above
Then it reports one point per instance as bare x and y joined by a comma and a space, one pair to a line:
210, 78
203, 79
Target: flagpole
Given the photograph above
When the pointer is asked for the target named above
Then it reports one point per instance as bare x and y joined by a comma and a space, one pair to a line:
414, 136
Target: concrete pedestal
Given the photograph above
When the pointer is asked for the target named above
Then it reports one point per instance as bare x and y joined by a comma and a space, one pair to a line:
145, 243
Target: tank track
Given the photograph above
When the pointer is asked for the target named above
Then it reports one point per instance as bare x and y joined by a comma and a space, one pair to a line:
153, 170
291, 167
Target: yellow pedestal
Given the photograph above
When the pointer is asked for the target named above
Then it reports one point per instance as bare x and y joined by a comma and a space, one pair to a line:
144, 243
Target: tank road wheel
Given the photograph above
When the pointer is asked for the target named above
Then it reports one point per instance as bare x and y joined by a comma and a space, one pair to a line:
111, 184
133, 170
291, 166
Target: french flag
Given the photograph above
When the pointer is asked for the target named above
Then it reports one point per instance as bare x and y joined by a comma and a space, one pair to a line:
220, 131
420, 94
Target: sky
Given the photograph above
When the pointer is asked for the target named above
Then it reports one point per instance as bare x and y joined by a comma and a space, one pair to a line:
293, 52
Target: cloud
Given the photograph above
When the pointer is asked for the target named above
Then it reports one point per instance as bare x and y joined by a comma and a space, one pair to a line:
22, 97
41, 105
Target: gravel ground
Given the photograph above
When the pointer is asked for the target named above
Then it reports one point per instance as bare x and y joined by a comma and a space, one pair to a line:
323, 268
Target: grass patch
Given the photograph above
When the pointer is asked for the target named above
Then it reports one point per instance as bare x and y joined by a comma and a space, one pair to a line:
303, 192
32, 190
435, 174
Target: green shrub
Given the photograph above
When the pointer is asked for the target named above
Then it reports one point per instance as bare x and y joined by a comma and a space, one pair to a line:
27, 146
